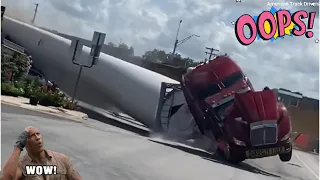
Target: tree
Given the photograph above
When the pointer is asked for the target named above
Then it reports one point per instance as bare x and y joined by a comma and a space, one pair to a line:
110, 44
15, 63
161, 56
155, 56
121, 51
124, 52
123, 46
131, 51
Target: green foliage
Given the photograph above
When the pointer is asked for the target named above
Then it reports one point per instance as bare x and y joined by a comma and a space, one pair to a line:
16, 63
27, 87
123, 52
50, 98
17, 66
8, 88
68, 104
161, 56
22, 65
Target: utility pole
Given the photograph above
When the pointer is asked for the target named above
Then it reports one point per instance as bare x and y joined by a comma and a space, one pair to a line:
176, 41
3, 9
211, 52
35, 13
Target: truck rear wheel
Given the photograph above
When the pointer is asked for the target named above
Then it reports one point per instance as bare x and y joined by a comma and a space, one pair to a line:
286, 156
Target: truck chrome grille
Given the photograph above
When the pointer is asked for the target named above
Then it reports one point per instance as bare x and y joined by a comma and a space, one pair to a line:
263, 133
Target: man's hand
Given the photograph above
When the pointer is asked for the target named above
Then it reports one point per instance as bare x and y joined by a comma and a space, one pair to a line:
11, 168
22, 138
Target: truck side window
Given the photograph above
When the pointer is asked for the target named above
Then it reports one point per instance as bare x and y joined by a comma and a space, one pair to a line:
293, 102
229, 81
209, 91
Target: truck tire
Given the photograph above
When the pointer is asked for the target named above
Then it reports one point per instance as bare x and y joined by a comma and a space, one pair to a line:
286, 156
232, 156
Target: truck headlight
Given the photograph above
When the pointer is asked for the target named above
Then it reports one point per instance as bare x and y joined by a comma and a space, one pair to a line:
238, 142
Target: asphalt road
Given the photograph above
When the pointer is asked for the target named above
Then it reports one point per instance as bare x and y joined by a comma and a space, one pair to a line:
101, 151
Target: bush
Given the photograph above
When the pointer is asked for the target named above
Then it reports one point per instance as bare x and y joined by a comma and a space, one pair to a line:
50, 98
68, 104
18, 64
16, 82
29, 85
28, 88
9, 89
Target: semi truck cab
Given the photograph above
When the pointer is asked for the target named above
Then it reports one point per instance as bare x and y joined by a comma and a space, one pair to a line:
224, 106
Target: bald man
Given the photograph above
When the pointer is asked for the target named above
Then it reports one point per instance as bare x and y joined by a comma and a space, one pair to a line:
31, 139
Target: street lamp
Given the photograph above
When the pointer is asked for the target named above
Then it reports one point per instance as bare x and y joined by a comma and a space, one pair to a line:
177, 42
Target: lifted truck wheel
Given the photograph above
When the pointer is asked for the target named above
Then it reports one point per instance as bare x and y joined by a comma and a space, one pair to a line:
286, 157
232, 156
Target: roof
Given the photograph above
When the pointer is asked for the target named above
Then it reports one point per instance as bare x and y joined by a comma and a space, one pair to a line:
304, 101
309, 103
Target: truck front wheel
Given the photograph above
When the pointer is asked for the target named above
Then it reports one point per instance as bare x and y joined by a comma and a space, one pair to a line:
286, 156
232, 156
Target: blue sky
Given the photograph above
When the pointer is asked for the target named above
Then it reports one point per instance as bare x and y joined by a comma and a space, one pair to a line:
291, 63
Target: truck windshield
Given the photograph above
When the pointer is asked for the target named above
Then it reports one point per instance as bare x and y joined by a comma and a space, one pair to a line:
229, 81
214, 88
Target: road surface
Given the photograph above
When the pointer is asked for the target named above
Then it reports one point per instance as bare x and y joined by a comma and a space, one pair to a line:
102, 151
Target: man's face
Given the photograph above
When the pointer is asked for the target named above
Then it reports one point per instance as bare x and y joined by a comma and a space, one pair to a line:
35, 141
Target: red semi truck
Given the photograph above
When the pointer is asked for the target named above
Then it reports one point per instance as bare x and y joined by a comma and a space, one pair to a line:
245, 123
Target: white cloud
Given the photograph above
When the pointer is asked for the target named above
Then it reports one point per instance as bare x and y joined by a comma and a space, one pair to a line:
290, 63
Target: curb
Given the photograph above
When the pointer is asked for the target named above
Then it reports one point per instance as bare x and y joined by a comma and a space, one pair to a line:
68, 117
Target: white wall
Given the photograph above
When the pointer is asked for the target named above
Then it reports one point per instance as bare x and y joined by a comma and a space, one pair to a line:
133, 89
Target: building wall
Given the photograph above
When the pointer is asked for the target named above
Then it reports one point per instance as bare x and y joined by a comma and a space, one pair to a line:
305, 121
304, 112
167, 70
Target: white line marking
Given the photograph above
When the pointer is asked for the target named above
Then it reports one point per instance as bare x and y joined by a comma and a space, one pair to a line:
308, 167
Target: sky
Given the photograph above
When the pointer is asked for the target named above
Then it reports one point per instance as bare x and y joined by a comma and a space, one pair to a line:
291, 63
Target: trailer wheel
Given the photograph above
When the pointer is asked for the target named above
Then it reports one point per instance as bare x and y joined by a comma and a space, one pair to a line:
232, 156
286, 156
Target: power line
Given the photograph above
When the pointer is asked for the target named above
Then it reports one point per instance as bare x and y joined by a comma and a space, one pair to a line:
35, 13
211, 52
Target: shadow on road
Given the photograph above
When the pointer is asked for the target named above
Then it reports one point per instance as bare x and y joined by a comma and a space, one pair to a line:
207, 156
217, 159
102, 118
